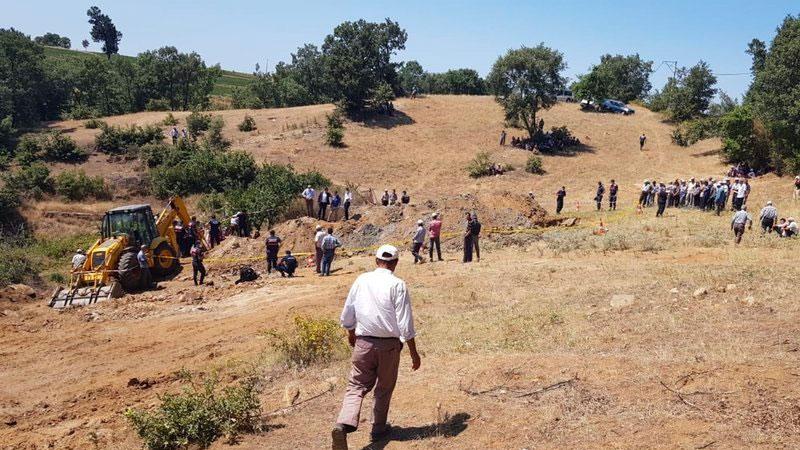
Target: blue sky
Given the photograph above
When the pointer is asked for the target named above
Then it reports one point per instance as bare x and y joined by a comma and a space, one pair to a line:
441, 34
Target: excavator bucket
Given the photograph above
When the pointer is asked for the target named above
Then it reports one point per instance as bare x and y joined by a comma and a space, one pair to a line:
82, 296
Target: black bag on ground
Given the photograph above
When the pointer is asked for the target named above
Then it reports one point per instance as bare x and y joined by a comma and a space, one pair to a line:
246, 273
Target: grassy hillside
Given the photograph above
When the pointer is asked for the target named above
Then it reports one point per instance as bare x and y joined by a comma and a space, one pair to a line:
223, 87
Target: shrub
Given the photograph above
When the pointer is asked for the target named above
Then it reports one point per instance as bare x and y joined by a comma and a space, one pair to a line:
92, 124
76, 185
116, 140
30, 181
334, 131
6, 130
248, 124
28, 150
82, 112
157, 104
16, 263
169, 120
197, 123
692, 131
200, 171
534, 165
311, 341
213, 137
480, 166
59, 147
200, 415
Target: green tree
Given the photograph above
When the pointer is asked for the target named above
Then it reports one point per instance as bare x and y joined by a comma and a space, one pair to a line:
22, 78
53, 40
181, 78
618, 77
103, 30
688, 95
526, 80
757, 50
357, 60
410, 76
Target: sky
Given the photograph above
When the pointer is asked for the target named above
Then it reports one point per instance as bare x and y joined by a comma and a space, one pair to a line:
442, 35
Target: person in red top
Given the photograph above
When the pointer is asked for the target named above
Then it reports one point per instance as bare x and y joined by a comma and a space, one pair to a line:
434, 231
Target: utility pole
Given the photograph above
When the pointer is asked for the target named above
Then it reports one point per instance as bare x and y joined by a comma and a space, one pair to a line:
673, 65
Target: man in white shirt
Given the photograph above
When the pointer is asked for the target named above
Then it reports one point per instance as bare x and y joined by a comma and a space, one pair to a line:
318, 247
348, 200
377, 315
308, 196
78, 260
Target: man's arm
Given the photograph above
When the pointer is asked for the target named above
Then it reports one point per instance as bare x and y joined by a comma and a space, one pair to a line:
405, 321
416, 361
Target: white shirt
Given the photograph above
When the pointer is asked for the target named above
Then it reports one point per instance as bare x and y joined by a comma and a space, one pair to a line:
318, 238
348, 196
741, 218
379, 305
419, 235
78, 260
742, 191
308, 194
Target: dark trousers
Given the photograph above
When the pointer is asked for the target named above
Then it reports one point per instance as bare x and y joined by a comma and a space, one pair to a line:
599, 200
213, 238
468, 248
720, 207
738, 232
323, 208
415, 248
612, 202
643, 199
147, 278
310, 207
198, 268
272, 261
435, 242
346, 210
318, 258
662, 205
327, 261
475, 241
737, 203
559, 205
767, 224
284, 270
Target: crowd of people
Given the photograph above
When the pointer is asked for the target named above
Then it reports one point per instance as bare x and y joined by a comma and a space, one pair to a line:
703, 194
392, 199
330, 206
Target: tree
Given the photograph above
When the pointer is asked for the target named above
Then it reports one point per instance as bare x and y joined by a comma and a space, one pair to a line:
85, 44
618, 77
687, 95
526, 80
53, 40
410, 76
22, 78
181, 78
757, 49
104, 30
357, 59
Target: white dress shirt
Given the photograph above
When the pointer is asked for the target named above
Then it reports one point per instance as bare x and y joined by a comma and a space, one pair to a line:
308, 194
379, 305
348, 196
318, 238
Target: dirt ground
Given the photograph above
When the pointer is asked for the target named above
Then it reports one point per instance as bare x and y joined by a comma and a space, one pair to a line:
658, 334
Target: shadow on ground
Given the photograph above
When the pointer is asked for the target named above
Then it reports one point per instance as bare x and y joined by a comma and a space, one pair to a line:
398, 118
449, 428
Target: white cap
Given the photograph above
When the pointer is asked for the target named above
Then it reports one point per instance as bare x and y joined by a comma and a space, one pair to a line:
319, 227
420, 222
769, 202
435, 215
387, 253
80, 250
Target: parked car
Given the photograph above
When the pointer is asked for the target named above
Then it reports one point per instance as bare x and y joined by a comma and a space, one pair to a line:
565, 96
617, 107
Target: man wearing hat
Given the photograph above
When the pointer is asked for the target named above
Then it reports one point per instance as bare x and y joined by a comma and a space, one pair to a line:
740, 219
434, 232
417, 241
78, 259
768, 216
378, 318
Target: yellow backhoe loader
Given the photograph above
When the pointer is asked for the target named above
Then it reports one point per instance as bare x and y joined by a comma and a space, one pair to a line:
111, 267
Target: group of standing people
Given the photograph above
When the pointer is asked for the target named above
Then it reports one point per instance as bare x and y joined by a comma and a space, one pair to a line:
433, 231
613, 190
325, 200
392, 199
705, 194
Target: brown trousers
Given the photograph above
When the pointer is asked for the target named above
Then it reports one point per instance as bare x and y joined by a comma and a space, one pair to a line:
375, 362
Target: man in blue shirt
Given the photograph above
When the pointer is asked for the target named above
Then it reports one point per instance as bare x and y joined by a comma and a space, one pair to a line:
147, 278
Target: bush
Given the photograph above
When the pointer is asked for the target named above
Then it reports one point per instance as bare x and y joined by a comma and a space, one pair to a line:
30, 181
200, 415
248, 124
691, 131
197, 123
201, 171
116, 140
6, 130
82, 112
213, 137
312, 341
59, 147
75, 185
16, 263
157, 104
169, 121
334, 131
92, 124
480, 166
534, 165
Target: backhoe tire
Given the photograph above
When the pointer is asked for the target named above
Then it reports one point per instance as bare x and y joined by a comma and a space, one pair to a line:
165, 261
130, 274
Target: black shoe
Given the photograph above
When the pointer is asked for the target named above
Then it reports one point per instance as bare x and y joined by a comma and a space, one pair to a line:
382, 436
338, 438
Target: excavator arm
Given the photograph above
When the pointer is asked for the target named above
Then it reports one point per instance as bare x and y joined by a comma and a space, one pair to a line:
176, 208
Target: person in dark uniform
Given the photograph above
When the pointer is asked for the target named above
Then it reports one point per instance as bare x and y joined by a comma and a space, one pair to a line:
612, 195
287, 265
273, 244
468, 241
601, 190
662, 200
214, 231
476, 234
197, 263
560, 199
